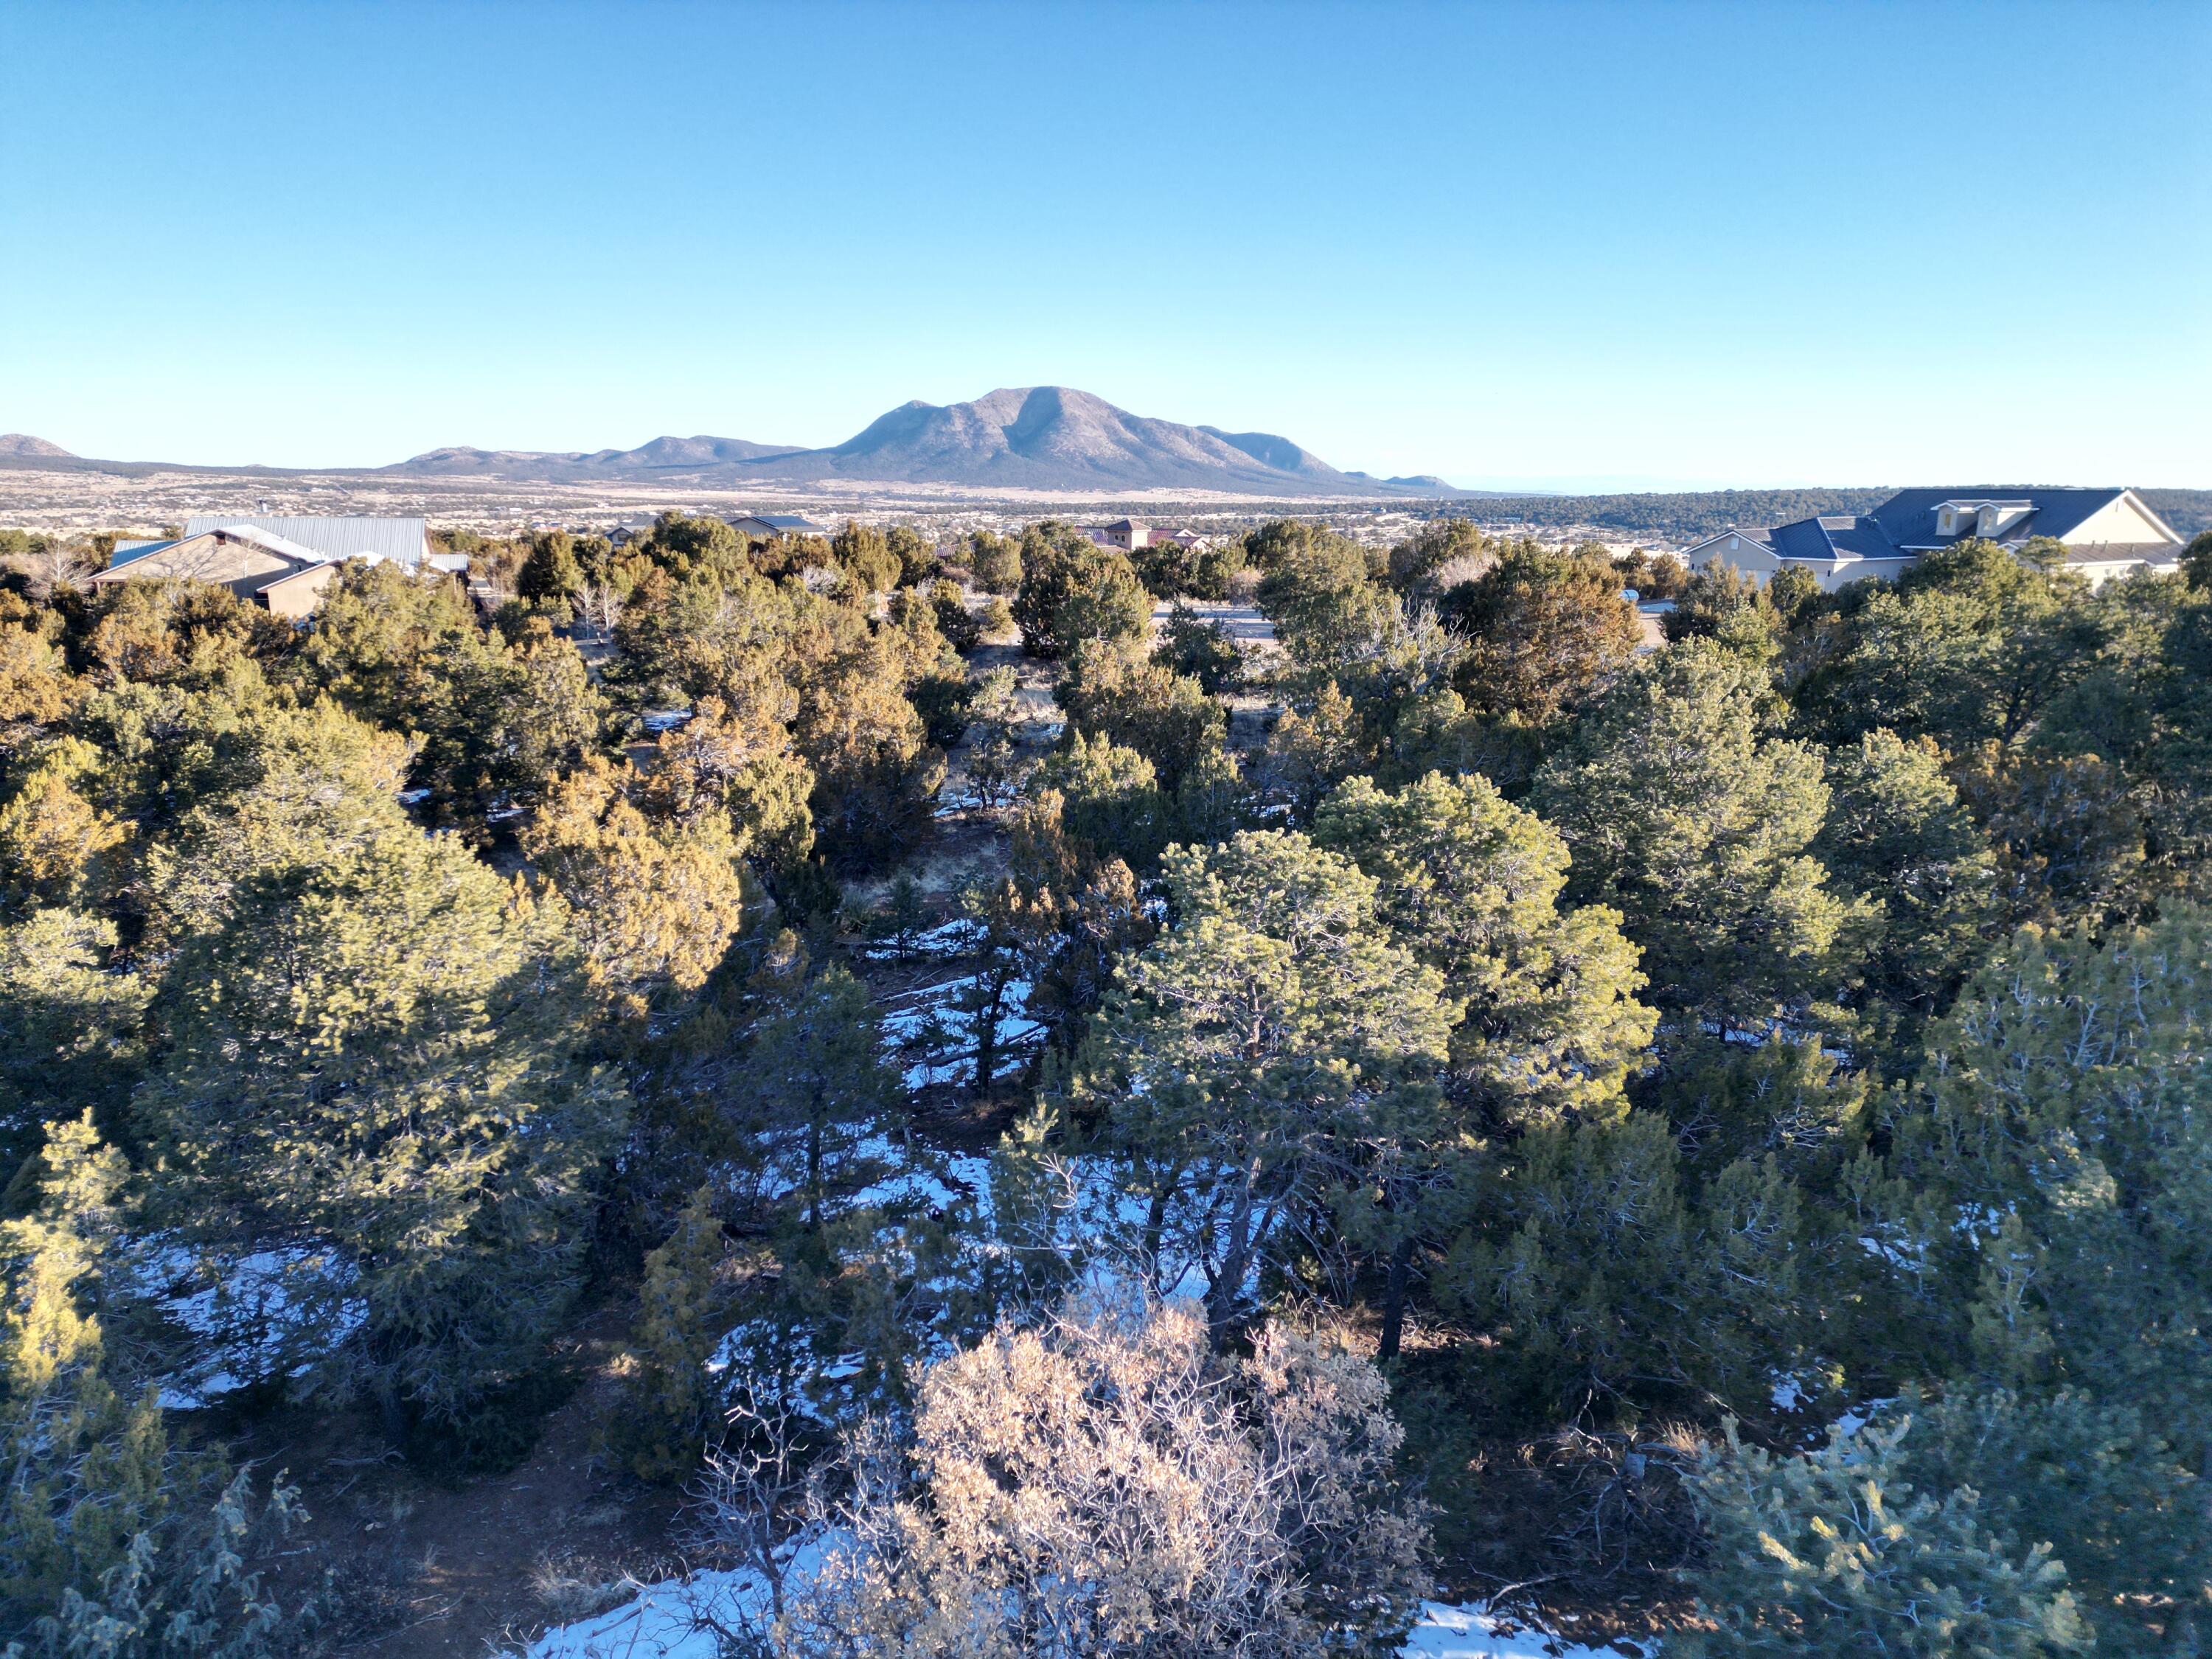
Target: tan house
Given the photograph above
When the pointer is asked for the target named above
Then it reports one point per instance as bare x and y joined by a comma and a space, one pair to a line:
282, 563
2105, 532
1126, 534
254, 564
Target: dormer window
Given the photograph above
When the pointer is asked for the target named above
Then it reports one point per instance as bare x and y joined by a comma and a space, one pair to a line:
1989, 519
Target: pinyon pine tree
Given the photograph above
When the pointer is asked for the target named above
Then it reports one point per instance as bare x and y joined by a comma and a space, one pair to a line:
1834, 1555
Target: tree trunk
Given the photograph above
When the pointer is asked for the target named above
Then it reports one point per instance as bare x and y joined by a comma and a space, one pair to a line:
1394, 1300
1221, 1296
814, 1175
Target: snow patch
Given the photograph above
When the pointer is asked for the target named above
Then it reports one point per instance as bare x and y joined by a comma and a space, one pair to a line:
249, 1320
1471, 1631
949, 938
679, 1619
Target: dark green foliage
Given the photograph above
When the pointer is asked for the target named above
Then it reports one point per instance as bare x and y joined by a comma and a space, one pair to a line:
356, 1005
1170, 570
1471, 883
1605, 1276
1546, 631
1319, 591
1684, 814
1441, 554
668, 1416
1966, 646
1271, 1051
1111, 798
71, 1036
996, 562
864, 554
955, 620
1115, 691
1838, 1554
551, 575
916, 554
1897, 834
1203, 651
1720, 602
1072, 590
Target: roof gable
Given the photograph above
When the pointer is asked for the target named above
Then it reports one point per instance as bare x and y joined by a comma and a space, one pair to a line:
1908, 517
405, 540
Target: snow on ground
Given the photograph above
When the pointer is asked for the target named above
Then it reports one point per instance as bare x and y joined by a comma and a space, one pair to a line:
950, 938
676, 1621
937, 1038
1469, 1631
248, 1319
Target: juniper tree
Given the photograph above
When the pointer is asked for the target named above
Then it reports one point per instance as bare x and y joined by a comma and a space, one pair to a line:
1546, 631
996, 561
70, 1035
815, 1086
89, 1468
1683, 812
1897, 834
1071, 591
2042, 1242
369, 1048
1604, 1276
1268, 1053
54, 842
1470, 884
1837, 1554
1113, 690
552, 577
654, 906
668, 1412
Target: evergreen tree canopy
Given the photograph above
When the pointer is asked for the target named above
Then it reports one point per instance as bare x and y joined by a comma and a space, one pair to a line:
1470, 884
1684, 813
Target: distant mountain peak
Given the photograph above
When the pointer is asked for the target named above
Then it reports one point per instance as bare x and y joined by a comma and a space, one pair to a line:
23, 445
1062, 438
1048, 439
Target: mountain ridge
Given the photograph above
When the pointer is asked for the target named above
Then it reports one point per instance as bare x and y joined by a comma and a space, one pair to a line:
1039, 439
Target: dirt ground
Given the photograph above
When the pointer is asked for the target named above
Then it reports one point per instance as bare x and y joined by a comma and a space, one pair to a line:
424, 1568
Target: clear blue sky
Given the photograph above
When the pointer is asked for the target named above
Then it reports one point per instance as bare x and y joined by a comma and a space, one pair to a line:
1572, 243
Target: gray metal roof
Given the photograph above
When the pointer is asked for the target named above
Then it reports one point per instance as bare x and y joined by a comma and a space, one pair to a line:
1903, 527
786, 521
405, 540
1908, 517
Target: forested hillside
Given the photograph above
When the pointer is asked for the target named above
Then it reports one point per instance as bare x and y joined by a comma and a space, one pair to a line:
1111, 1131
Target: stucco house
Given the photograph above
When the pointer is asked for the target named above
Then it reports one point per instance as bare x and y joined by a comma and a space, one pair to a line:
2106, 533
1127, 535
280, 563
767, 526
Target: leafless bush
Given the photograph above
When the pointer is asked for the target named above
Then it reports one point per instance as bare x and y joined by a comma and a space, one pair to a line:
1102, 1485
1630, 1511
1465, 568
568, 1588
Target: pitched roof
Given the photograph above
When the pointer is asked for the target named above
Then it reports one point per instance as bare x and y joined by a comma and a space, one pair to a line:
1903, 527
405, 540
781, 521
1908, 517
268, 541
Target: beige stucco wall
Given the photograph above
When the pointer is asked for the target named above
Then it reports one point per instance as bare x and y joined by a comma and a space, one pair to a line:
294, 599
2123, 522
